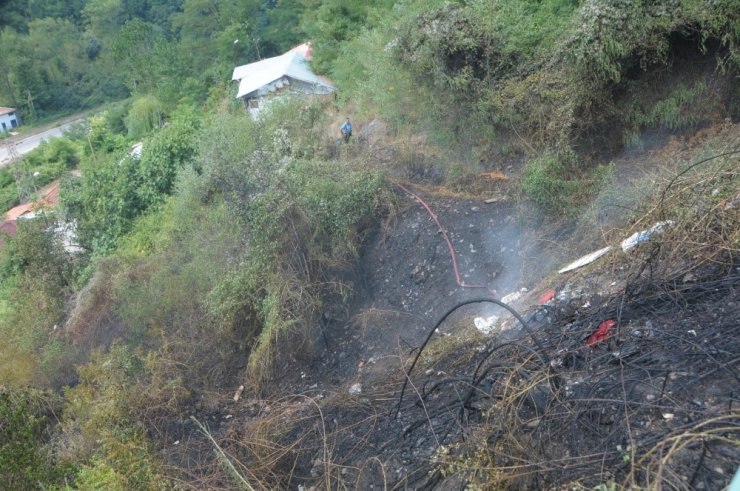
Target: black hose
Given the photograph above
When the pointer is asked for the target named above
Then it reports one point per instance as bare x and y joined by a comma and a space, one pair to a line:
542, 356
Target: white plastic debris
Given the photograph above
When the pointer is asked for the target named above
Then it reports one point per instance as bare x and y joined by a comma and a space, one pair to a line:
640, 237
355, 389
485, 324
511, 297
238, 393
668, 416
587, 259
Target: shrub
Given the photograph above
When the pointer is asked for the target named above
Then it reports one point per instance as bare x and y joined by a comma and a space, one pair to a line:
102, 424
557, 187
144, 116
545, 181
107, 198
101, 138
23, 459
62, 151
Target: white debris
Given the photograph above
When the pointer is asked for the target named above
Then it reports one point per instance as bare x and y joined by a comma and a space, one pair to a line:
485, 324
238, 393
355, 389
668, 416
587, 259
136, 149
640, 237
511, 297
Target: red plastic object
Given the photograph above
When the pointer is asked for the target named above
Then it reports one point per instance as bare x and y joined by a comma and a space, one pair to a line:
547, 296
601, 333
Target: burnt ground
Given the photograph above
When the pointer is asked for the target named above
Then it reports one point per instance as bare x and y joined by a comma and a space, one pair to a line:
536, 408
406, 279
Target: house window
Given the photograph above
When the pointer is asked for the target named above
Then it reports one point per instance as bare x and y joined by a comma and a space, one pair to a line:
254, 104
4, 127
13, 123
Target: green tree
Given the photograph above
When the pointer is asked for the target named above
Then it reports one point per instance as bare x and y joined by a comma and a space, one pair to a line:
334, 22
144, 116
280, 27
207, 30
133, 52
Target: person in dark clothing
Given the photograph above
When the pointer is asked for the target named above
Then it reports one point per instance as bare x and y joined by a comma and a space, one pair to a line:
346, 130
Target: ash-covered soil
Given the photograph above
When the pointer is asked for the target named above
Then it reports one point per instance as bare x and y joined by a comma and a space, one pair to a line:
653, 403
406, 279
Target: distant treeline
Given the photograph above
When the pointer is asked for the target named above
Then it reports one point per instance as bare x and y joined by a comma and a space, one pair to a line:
65, 55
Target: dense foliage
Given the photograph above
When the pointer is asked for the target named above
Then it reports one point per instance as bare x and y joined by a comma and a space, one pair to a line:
62, 56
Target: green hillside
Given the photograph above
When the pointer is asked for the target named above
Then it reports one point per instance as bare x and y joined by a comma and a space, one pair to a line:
231, 251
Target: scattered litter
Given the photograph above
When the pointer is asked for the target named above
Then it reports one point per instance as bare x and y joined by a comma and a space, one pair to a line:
640, 237
355, 389
668, 416
692, 332
587, 259
586, 305
511, 297
732, 203
238, 393
547, 296
177, 442
601, 333
485, 324
228, 416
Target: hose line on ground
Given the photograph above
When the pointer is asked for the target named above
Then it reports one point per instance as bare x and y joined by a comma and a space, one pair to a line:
541, 355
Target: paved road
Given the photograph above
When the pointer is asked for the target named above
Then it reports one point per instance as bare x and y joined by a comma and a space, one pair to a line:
29, 143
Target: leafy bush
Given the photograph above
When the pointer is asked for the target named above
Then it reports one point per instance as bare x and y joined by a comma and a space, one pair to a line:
144, 116
62, 151
101, 138
107, 198
37, 272
23, 458
551, 182
102, 428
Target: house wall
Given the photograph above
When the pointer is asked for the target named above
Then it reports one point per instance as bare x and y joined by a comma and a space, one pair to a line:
285, 87
9, 121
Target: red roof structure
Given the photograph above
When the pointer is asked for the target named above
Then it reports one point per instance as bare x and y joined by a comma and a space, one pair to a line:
6, 110
49, 199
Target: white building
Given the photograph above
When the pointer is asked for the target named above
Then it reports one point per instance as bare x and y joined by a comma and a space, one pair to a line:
8, 119
288, 73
